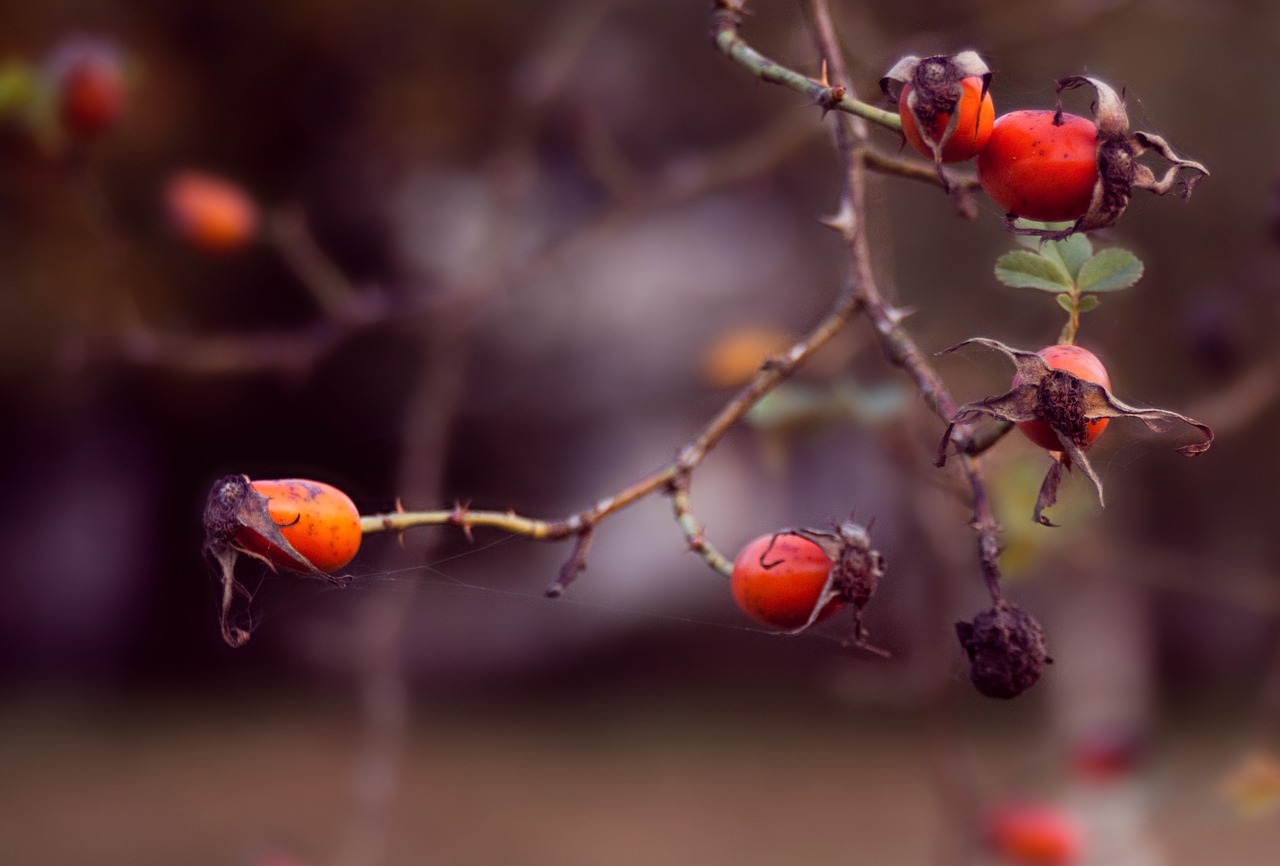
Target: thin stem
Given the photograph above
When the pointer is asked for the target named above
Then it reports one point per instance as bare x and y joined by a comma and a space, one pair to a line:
333, 292
916, 170
693, 530
1069, 331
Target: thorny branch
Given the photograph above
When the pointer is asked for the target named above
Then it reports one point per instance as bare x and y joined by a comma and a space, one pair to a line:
673, 478
898, 345
860, 295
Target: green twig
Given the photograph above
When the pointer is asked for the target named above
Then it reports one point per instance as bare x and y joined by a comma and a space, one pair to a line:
725, 20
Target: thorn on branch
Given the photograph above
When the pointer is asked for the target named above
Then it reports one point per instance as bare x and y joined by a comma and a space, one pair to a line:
458, 517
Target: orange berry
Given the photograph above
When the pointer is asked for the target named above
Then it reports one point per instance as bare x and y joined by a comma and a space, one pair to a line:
778, 579
319, 520
973, 128
210, 212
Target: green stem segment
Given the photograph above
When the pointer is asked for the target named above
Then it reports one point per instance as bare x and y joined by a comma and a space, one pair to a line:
1072, 306
724, 33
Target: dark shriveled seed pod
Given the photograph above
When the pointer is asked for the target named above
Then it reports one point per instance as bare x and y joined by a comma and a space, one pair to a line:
1006, 650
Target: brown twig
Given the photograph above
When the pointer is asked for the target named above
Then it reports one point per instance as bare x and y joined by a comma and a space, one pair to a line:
671, 478
897, 343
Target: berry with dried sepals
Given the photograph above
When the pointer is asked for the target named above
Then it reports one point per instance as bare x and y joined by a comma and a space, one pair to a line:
1070, 406
944, 103
1038, 170
835, 568
304, 526
1082, 364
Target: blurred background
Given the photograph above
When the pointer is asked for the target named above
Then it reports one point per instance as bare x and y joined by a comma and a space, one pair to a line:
514, 255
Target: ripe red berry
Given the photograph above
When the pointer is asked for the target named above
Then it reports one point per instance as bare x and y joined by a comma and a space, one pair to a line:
91, 87
318, 520
778, 579
1083, 364
973, 126
1034, 834
210, 212
1040, 165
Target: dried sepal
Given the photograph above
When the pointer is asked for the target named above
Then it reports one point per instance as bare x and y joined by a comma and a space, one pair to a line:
1006, 650
234, 506
1048, 494
1119, 171
855, 574
1067, 404
935, 89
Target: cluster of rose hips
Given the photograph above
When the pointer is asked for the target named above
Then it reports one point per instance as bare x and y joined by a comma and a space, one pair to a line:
1041, 165
1045, 166
1038, 164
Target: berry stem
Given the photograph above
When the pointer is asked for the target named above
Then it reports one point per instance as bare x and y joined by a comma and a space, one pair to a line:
1068, 335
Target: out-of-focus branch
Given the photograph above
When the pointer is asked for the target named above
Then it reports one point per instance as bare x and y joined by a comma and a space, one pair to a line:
287, 229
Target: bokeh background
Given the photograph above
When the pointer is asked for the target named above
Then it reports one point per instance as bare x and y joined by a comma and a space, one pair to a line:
549, 212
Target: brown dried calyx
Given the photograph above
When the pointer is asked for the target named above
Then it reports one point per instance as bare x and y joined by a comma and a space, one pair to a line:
935, 89
1119, 172
234, 506
1006, 650
856, 571
1066, 403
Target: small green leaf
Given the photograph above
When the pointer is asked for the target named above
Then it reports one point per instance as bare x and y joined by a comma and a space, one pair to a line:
1089, 302
1064, 301
1075, 251
1023, 269
1049, 249
1109, 271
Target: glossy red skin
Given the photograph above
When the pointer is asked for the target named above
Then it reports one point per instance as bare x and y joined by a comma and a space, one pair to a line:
1034, 835
1083, 364
92, 93
1037, 170
784, 594
319, 520
972, 131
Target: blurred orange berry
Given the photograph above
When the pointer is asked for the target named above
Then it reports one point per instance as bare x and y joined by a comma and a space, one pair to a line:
210, 212
735, 357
